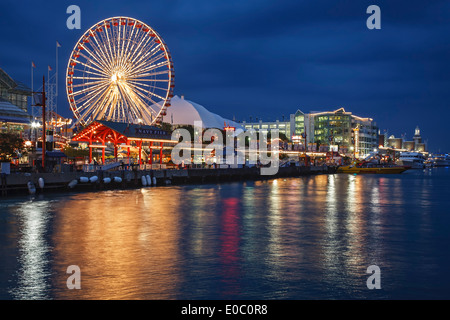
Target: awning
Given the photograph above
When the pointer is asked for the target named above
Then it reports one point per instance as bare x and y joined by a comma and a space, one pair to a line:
14, 120
55, 154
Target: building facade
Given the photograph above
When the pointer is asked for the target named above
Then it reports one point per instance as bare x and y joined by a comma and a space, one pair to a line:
14, 91
285, 127
13, 103
415, 145
337, 130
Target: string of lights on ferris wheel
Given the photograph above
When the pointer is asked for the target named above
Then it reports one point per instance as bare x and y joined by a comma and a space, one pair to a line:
120, 70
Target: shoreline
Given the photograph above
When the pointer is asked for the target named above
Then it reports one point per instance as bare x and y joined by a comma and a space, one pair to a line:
17, 183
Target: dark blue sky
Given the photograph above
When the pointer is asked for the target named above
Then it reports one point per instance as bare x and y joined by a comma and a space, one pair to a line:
268, 58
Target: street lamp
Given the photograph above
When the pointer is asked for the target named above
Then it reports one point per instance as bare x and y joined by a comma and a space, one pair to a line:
306, 147
40, 101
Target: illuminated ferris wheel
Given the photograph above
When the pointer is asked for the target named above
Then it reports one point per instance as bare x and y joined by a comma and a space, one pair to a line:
120, 70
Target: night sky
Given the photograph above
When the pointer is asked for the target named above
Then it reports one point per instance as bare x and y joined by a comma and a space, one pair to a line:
268, 58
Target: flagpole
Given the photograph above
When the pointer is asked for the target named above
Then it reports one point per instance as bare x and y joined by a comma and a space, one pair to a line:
33, 132
55, 108
32, 84
48, 86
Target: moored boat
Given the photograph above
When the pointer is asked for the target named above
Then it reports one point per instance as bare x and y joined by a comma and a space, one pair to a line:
440, 160
415, 160
380, 169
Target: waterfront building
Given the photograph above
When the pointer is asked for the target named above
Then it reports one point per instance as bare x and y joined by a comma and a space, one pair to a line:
395, 143
419, 145
14, 91
415, 145
337, 130
13, 103
284, 127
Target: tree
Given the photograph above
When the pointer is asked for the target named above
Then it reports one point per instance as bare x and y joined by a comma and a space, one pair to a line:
11, 144
72, 152
166, 127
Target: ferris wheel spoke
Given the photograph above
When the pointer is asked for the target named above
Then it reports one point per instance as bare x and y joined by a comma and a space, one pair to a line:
144, 49
104, 43
143, 57
90, 72
149, 86
108, 44
150, 63
137, 97
154, 67
100, 45
100, 111
88, 58
112, 45
103, 57
121, 43
153, 80
82, 76
139, 85
127, 100
87, 84
93, 106
83, 101
150, 52
89, 78
135, 49
91, 67
150, 74
149, 92
126, 55
91, 56
97, 57
100, 85
139, 51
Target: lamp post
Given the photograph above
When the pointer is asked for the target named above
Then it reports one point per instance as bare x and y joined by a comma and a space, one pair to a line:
43, 124
353, 143
306, 147
42, 103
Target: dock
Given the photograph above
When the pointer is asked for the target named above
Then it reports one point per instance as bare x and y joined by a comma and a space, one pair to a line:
18, 183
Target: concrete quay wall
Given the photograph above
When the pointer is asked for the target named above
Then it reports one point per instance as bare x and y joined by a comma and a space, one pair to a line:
17, 183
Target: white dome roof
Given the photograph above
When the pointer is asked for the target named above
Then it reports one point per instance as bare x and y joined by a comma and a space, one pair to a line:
186, 112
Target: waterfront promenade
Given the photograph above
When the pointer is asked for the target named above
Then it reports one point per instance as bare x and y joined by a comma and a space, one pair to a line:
17, 183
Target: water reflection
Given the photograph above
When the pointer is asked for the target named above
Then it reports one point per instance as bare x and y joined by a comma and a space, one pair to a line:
33, 282
125, 249
307, 237
229, 248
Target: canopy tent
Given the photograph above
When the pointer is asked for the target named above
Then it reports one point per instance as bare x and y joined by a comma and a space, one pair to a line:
185, 112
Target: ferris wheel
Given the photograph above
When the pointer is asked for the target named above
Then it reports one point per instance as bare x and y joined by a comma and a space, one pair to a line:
120, 70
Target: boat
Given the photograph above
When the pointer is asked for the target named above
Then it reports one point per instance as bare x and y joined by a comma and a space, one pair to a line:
415, 160
441, 160
365, 167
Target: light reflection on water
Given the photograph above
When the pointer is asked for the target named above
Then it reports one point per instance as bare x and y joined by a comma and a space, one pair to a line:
297, 238
32, 277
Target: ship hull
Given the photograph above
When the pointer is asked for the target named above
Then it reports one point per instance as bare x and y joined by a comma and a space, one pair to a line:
381, 170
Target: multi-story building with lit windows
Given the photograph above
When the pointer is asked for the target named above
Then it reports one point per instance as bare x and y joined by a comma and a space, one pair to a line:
13, 103
284, 127
337, 130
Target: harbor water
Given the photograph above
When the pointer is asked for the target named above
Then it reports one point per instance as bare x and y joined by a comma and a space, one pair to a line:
310, 237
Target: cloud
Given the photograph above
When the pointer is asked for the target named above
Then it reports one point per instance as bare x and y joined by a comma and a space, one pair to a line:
267, 57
